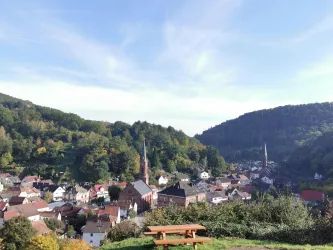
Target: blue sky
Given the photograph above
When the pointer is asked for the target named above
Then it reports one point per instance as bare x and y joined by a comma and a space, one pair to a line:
189, 64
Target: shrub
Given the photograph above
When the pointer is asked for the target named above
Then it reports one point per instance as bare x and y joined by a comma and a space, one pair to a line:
123, 230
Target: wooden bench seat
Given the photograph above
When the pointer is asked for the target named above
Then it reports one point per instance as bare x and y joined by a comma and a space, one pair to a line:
169, 232
165, 243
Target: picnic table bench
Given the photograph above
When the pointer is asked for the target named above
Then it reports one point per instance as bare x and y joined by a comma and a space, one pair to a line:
189, 231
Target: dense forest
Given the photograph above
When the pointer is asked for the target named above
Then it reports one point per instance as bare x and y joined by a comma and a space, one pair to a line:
284, 129
316, 157
45, 141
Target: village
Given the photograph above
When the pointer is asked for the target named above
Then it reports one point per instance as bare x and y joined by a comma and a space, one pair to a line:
89, 209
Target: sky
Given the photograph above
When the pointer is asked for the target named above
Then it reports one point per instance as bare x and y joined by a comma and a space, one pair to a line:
191, 64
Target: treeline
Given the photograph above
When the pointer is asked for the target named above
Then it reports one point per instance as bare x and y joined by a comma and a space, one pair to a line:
47, 141
315, 157
283, 129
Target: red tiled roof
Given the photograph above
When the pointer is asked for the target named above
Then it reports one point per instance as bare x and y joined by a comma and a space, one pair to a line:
111, 210
122, 184
99, 186
26, 210
10, 214
5, 175
3, 205
40, 204
312, 195
30, 178
40, 227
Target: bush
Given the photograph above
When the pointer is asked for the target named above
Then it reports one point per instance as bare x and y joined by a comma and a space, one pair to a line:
124, 230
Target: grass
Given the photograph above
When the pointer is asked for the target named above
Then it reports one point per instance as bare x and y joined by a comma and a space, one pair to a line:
218, 244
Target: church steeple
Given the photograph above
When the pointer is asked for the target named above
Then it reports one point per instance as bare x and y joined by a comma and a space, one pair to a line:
144, 175
265, 161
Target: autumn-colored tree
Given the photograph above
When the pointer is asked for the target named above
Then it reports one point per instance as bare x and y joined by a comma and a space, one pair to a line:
48, 197
43, 242
75, 245
2, 245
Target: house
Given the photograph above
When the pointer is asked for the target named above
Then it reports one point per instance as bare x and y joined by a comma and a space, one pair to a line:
312, 196
163, 180
27, 210
136, 192
201, 184
182, 177
29, 180
197, 170
99, 191
27, 192
254, 174
203, 175
41, 206
77, 194
247, 188
217, 197
7, 216
267, 180
57, 192
50, 215
235, 194
67, 212
243, 179
3, 206
223, 182
95, 231
17, 200
113, 211
40, 227
318, 176
7, 180
181, 194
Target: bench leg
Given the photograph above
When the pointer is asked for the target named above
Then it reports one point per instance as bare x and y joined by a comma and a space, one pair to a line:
165, 247
195, 245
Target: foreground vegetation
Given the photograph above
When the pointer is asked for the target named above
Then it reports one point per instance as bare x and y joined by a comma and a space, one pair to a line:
284, 219
46, 141
222, 243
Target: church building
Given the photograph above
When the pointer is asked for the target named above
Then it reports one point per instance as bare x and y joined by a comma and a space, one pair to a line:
138, 192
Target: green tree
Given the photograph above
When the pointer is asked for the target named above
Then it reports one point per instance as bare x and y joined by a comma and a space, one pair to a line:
114, 192
17, 232
6, 159
48, 197
70, 232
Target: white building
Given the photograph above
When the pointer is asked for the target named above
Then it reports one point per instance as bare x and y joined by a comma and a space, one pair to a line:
267, 180
58, 192
163, 180
203, 175
318, 176
217, 197
95, 232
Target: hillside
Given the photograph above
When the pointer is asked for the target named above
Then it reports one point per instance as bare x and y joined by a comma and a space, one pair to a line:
282, 128
46, 141
316, 157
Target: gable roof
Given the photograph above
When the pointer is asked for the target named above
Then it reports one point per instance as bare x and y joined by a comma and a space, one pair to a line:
181, 189
111, 210
218, 194
96, 227
40, 204
98, 187
25, 210
141, 187
16, 200
9, 214
40, 227
30, 178
312, 195
51, 188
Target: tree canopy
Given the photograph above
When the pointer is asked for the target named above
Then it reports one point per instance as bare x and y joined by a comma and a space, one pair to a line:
46, 141
283, 129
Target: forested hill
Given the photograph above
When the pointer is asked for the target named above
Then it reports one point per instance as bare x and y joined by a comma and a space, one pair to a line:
282, 128
45, 141
316, 157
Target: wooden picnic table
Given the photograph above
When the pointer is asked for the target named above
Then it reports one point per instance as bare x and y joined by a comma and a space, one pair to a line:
188, 230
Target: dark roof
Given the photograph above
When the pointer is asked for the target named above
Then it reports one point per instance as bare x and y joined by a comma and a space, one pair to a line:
141, 187
217, 194
16, 200
96, 227
180, 189
51, 188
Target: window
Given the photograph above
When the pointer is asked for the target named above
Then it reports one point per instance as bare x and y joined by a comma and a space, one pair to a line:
91, 235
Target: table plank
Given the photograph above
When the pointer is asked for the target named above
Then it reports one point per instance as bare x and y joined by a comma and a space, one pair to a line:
175, 228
